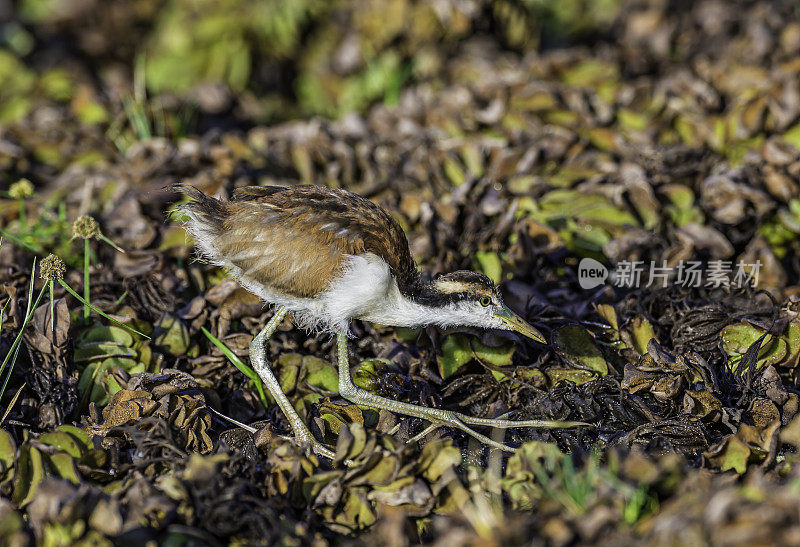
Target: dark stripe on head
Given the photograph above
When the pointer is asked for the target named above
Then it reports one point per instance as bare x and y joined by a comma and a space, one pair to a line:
455, 287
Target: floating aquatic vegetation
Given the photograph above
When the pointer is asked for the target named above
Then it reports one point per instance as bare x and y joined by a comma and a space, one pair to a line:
622, 132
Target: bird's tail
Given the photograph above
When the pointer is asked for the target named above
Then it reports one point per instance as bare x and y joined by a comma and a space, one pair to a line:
203, 205
205, 216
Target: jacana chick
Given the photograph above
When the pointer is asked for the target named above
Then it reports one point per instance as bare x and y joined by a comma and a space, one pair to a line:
330, 256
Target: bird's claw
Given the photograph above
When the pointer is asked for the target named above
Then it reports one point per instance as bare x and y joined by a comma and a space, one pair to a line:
313, 446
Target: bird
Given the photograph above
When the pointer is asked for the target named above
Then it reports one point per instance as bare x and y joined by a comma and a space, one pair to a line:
329, 256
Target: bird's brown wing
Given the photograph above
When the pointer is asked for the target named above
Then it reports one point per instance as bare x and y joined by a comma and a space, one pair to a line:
295, 239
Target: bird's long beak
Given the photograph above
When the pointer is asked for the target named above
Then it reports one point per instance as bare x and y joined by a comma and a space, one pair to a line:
518, 324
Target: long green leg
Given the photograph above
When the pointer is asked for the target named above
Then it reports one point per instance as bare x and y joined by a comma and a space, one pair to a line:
259, 361
355, 394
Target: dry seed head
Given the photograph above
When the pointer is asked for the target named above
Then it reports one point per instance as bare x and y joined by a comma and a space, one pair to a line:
22, 189
85, 227
52, 268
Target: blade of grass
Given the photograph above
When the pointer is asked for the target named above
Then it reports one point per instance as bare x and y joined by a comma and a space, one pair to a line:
238, 363
19, 242
139, 78
114, 133
246, 427
101, 312
545, 481
3, 313
13, 402
51, 286
159, 118
23, 215
119, 300
86, 289
13, 352
137, 118
101, 237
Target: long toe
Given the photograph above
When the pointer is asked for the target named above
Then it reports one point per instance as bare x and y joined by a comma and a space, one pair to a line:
319, 449
455, 421
505, 424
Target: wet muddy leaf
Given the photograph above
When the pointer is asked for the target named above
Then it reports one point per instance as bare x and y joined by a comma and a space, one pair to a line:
413, 495
367, 373
732, 454
335, 416
436, 458
520, 481
289, 371
702, 403
749, 445
576, 376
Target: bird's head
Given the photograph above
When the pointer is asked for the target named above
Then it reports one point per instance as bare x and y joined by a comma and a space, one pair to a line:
470, 298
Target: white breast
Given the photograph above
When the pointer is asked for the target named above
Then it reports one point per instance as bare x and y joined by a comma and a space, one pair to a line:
365, 285
368, 291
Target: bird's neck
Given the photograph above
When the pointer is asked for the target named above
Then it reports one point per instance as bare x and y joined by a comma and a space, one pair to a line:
421, 305
425, 293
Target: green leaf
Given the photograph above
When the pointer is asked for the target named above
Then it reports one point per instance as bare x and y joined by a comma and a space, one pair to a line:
64, 466
8, 450
453, 171
62, 441
793, 340
489, 263
96, 351
78, 434
29, 474
104, 333
172, 335
90, 383
129, 365
737, 339
576, 346
320, 374
792, 136
642, 332
500, 356
455, 354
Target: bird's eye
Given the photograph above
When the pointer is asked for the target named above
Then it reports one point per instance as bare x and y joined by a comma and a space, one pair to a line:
485, 301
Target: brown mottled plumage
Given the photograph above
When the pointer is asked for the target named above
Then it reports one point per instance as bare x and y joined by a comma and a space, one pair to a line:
295, 239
